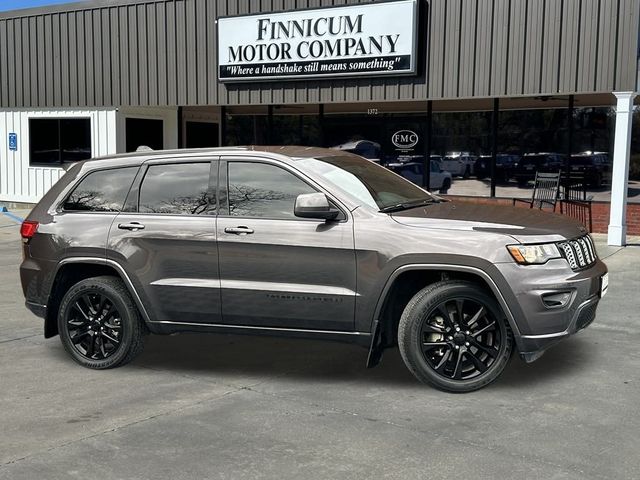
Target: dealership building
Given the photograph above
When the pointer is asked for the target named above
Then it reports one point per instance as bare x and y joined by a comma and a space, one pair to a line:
404, 80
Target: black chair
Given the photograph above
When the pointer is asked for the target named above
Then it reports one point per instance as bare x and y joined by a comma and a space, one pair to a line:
546, 190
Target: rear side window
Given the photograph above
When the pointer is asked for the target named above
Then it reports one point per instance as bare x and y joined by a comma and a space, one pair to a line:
179, 188
101, 191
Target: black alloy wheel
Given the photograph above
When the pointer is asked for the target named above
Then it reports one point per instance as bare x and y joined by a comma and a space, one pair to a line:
460, 339
453, 335
99, 324
95, 325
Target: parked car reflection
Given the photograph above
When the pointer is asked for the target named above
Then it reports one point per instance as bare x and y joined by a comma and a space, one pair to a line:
594, 167
531, 163
365, 148
414, 171
505, 166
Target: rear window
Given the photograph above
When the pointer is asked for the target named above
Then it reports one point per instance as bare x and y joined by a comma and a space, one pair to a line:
101, 191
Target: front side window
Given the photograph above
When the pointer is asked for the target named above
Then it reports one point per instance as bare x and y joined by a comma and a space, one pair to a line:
179, 188
53, 141
101, 191
263, 190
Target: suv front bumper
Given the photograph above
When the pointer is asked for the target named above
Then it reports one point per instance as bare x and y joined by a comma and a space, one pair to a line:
541, 323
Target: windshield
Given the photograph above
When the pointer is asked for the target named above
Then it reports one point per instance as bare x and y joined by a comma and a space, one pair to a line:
372, 184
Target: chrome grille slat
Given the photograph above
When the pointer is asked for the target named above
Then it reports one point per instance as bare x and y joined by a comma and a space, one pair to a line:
579, 252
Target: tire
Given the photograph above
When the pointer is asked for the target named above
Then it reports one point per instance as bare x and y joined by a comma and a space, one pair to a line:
467, 172
446, 185
99, 324
450, 360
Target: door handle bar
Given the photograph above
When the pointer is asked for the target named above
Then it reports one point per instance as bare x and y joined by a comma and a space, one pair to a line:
131, 226
241, 230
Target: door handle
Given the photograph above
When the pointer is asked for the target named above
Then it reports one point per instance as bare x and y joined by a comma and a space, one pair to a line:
241, 230
131, 226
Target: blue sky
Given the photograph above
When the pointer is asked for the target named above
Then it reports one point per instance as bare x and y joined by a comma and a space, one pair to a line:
17, 4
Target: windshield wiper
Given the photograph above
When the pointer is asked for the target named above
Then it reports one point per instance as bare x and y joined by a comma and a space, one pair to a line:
407, 205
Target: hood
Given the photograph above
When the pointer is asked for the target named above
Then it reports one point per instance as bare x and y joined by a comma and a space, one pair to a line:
526, 225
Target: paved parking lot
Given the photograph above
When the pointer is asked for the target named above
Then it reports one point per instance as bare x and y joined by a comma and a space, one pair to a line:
242, 407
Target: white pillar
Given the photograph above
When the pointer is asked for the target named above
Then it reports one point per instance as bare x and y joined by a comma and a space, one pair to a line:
620, 170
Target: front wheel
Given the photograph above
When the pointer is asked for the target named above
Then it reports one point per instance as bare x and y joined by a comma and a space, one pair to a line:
99, 323
454, 336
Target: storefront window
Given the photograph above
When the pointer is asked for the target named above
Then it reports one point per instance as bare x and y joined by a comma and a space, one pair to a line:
634, 167
53, 141
537, 140
246, 126
296, 130
144, 132
460, 142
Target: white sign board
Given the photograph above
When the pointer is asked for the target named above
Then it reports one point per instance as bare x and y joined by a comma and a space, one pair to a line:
356, 40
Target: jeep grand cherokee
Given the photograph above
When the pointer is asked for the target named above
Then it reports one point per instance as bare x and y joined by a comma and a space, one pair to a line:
304, 242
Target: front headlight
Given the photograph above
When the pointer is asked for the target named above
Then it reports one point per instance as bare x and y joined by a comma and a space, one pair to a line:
534, 254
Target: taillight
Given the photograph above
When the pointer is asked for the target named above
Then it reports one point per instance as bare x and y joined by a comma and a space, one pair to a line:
28, 229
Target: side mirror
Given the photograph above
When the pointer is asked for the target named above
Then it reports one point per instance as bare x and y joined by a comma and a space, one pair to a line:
314, 205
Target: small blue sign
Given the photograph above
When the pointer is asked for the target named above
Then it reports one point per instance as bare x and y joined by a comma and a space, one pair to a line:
13, 142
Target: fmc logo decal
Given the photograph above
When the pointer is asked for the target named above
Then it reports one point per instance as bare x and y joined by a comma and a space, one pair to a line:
404, 139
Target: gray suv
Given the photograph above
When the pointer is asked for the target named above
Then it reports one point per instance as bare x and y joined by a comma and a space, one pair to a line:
301, 242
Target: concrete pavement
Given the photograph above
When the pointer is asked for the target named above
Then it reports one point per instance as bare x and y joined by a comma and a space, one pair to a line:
205, 406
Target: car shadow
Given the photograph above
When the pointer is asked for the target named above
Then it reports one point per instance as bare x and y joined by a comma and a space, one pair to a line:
233, 356
565, 360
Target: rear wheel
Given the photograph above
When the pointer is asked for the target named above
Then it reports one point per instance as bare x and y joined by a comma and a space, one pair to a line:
454, 336
99, 323
446, 185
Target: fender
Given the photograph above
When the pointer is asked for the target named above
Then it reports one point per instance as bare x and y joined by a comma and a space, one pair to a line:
375, 349
121, 271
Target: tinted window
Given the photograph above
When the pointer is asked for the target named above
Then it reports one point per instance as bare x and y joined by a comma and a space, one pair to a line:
180, 188
102, 191
261, 190
58, 140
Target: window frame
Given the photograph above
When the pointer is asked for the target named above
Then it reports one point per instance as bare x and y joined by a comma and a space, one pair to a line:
132, 202
59, 119
223, 189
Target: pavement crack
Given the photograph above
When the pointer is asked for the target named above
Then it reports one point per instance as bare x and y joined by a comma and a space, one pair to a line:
20, 338
126, 425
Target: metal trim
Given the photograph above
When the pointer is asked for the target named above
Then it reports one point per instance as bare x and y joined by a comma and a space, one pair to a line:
256, 285
259, 328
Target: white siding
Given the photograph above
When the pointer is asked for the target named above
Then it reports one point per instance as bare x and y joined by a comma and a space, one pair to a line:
20, 182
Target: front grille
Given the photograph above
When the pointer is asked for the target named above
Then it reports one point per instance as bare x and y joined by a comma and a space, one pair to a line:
587, 315
579, 252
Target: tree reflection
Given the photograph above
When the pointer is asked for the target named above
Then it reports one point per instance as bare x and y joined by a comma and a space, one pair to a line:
89, 200
245, 200
193, 205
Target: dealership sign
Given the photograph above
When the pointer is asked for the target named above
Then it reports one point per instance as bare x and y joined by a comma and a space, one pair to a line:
405, 139
365, 39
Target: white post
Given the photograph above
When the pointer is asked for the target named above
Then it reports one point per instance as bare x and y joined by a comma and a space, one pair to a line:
620, 170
